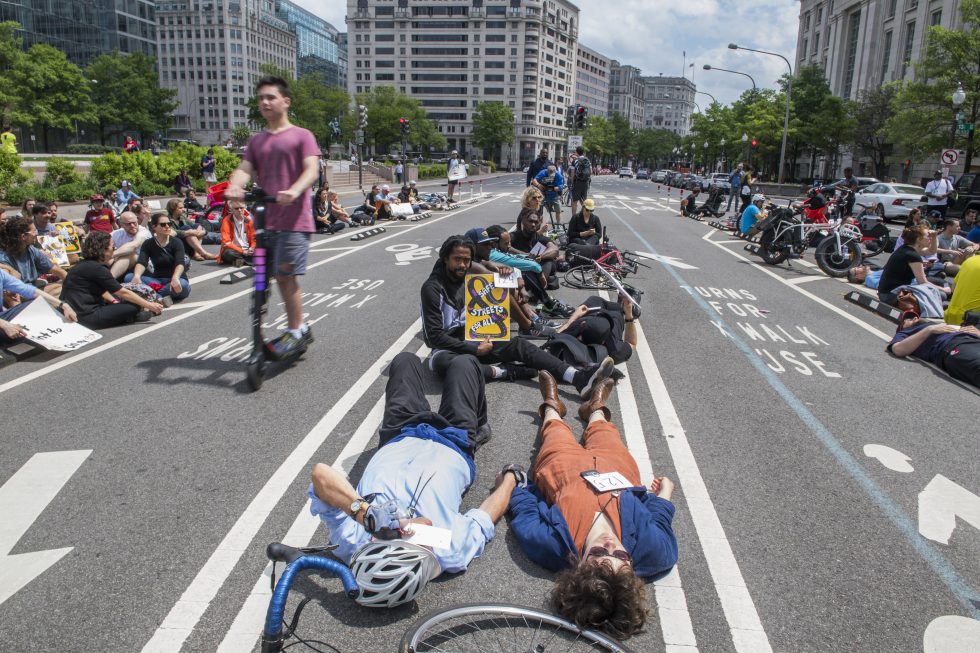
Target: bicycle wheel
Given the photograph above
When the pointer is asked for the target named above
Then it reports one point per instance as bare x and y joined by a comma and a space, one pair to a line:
501, 627
586, 279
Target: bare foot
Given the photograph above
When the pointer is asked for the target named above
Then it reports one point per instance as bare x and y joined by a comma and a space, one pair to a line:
197, 257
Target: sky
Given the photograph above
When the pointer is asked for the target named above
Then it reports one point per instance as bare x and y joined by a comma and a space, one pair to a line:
653, 35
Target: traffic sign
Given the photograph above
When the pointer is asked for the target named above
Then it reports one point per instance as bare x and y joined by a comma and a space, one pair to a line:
965, 127
574, 141
949, 157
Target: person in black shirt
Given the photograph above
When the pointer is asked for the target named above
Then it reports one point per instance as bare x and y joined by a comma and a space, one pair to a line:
88, 280
191, 203
689, 204
538, 165
166, 254
585, 228
905, 265
528, 240
956, 350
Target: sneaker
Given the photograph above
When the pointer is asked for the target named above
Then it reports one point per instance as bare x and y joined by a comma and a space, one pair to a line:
143, 316
518, 372
307, 335
587, 378
537, 330
537, 319
481, 437
285, 346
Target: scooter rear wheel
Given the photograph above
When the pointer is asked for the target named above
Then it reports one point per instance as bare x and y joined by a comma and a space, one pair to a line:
255, 370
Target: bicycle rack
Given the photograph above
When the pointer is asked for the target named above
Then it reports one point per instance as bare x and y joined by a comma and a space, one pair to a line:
867, 301
237, 275
361, 235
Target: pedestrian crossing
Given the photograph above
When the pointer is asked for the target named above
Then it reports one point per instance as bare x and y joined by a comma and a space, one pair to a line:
616, 201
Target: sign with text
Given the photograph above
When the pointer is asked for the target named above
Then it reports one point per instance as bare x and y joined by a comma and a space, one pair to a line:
458, 171
47, 328
487, 309
69, 236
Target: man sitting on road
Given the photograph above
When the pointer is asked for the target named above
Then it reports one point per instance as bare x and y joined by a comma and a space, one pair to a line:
444, 324
752, 214
418, 475
383, 201
689, 203
42, 215
551, 182
953, 248
969, 226
19, 250
124, 196
528, 240
127, 240
954, 349
603, 543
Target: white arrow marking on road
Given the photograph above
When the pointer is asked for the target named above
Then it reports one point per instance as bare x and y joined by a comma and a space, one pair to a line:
408, 252
669, 260
940, 503
893, 459
952, 634
22, 500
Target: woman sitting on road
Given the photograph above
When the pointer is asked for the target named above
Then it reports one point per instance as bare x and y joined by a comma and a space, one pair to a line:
905, 265
98, 298
321, 210
337, 218
166, 253
19, 251
237, 236
191, 234
533, 199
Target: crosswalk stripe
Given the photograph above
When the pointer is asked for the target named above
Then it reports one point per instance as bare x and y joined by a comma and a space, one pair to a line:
621, 197
599, 197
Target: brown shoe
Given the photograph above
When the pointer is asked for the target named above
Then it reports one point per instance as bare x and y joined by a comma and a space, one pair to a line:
597, 401
549, 393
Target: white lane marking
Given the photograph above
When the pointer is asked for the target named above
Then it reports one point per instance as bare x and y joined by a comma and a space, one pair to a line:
187, 612
625, 206
736, 602
333, 249
844, 314
798, 280
88, 352
646, 199
23, 498
669, 260
186, 305
892, 459
599, 197
621, 198
940, 503
250, 620
952, 634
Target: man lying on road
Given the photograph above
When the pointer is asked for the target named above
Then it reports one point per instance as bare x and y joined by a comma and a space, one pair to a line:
418, 475
954, 349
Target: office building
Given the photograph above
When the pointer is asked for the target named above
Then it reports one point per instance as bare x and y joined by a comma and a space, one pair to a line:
668, 103
210, 52
84, 29
626, 92
317, 49
592, 81
454, 54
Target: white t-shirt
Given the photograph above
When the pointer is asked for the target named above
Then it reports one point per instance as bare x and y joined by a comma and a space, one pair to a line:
938, 187
120, 237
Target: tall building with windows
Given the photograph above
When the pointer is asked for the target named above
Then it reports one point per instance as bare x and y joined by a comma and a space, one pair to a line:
210, 52
317, 47
84, 29
592, 81
454, 54
668, 103
862, 44
626, 92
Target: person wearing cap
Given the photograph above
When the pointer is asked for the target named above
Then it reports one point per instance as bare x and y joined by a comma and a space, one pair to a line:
454, 160
752, 213
100, 217
538, 165
383, 202
937, 193
418, 475
125, 195
410, 195
585, 228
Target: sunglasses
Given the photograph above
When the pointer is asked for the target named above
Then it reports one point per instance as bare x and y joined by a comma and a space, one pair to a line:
165, 225
601, 552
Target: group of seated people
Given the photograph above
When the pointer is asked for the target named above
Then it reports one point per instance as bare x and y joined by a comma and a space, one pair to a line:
603, 545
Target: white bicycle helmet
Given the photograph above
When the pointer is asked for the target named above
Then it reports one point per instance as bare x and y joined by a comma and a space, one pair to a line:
758, 197
392, 572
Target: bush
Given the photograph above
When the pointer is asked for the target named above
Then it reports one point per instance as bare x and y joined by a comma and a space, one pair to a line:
74, 192
16, 195
432, 171
59, 172
11, 175
91, 148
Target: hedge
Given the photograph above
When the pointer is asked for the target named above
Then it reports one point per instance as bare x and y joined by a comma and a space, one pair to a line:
91, 148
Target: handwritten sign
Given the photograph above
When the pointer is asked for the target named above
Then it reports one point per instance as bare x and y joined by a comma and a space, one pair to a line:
49, 329
458, 171
608, 482
487, 309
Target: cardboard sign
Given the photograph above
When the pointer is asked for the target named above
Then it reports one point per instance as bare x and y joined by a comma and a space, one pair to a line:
487, 309
54, 248
49, 329
69, 236
458, 171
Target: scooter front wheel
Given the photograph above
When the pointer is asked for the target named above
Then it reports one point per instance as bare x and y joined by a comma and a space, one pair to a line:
255, 370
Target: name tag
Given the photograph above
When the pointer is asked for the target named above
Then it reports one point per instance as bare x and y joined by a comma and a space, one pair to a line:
608, 482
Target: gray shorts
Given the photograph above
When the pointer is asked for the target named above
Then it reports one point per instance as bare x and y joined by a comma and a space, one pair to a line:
286, 252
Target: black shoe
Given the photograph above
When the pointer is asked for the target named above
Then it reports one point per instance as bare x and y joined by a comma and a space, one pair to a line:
481, 437
307, 336
585, 379
143, 316
616, 375
515, 372
538, 331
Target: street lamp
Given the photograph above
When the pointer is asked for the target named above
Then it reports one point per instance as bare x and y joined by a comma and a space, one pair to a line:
745, 147
709, 95
723, 152
705, 156
789, 92
734, 72
959, 97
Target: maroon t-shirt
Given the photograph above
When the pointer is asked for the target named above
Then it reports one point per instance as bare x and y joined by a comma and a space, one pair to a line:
278, 162
99, 220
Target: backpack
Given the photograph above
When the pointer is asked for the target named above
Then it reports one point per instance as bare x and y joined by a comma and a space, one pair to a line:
583, 169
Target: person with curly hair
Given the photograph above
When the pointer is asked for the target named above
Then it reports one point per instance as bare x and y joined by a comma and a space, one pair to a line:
100, 300
604, 543
19, 251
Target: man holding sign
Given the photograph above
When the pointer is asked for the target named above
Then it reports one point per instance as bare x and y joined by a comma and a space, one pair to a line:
588, 515
401, 527
10, 331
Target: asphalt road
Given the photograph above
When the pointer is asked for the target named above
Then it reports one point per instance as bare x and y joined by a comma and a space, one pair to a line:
826, 492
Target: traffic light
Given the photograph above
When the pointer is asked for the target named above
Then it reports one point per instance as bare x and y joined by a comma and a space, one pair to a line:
755, 144
403, 126
362, 120
580, 115
570, 116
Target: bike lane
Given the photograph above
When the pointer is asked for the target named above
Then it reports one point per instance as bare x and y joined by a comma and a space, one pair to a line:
781, 399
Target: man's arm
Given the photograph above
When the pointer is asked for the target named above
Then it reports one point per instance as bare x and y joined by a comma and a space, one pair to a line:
907, 347
535, 530
433, 331
311, 172
236, 182
334, 489
550, 253
495, 505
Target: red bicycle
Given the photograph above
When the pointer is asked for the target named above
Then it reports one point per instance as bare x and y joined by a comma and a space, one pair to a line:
617, 263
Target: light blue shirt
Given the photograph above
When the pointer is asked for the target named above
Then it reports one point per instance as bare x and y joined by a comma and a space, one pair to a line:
31, 264
749, 217
9, 283
436, 476
516, 262
123, 197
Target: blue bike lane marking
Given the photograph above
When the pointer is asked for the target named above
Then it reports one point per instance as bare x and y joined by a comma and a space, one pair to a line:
968, 597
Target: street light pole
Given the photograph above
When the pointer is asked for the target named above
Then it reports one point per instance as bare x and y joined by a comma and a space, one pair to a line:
709, 95
789, 93
734, 72
959, 97
745, 148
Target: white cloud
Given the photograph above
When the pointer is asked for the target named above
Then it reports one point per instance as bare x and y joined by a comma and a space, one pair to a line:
652, 36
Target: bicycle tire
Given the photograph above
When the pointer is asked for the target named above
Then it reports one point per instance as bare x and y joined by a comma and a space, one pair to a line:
586, 279
481, 626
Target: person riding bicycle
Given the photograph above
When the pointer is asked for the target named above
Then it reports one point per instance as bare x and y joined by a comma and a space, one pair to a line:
551, 182
423, 466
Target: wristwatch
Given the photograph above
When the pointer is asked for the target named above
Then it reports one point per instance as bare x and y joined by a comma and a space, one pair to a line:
61, 305
357, 506
519, 474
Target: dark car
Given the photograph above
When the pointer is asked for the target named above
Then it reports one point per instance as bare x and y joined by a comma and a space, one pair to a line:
967, 195
862, 182
643, 173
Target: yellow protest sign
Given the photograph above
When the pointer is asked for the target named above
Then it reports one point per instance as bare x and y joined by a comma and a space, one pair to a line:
69, 236
487, 309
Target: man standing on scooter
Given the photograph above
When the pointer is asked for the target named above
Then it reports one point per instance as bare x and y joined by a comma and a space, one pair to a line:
284, 160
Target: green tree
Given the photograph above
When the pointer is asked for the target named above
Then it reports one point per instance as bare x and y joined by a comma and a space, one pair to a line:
12, 107
622, 135
385, 107
240, 135
314, 105
128, 97
923, 113
653, 146
870, 116
493, 125
598, 139
54, 89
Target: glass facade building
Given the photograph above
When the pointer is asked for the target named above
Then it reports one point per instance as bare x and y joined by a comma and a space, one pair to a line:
318, 49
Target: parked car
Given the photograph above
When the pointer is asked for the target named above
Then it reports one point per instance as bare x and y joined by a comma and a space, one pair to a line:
720, 180
893, 200
626, 172
643, 173
862, 182
968, 195
602, 170
659, 176
684, 181
674, 178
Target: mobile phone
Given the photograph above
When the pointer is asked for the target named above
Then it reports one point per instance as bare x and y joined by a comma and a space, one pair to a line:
589, 472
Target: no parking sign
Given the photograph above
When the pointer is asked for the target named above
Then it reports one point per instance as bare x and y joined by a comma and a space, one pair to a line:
949, 157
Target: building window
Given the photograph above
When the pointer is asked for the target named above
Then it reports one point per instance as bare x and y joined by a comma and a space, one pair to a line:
886, 54
936, 18
892, 7
909, 44
854, 23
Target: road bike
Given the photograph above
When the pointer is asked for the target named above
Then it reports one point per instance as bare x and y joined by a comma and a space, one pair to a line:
461, 628
589, 275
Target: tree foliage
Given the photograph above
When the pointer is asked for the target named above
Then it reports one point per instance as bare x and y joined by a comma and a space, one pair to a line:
599, 138
12, 108
870, 116
493, 125
385, 107
127, 96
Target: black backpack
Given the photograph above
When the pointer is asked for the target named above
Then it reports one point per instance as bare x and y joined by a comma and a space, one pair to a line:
583, 169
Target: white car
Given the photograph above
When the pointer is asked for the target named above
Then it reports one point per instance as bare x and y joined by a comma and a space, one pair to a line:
626, 172
893, 200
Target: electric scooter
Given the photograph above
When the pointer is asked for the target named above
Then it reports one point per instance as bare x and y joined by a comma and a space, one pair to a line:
261, 351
